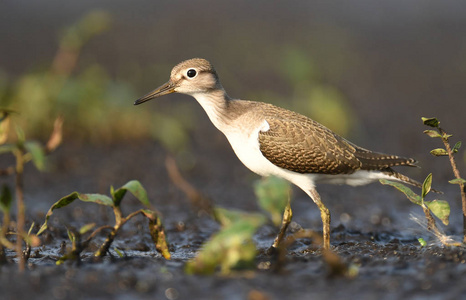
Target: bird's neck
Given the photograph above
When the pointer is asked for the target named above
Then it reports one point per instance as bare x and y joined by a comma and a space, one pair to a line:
216, 104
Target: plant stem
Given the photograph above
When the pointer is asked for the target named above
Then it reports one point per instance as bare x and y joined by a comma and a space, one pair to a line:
4, 243
458, 176
20, 207
108, 241
119, 221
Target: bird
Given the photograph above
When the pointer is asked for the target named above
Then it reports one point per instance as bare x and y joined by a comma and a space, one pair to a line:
273, 141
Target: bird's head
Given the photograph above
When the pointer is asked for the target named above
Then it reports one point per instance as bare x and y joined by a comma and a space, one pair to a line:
191, 77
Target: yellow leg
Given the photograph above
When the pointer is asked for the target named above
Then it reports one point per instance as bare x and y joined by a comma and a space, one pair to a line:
287, 216
324, 214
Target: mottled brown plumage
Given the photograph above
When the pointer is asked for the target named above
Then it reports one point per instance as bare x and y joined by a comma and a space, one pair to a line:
299, 144
274, 141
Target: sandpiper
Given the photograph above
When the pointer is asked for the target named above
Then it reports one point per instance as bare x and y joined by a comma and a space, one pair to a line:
270, 140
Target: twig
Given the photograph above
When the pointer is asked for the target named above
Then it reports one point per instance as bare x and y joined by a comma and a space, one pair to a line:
196, 198
457, 175
20, 222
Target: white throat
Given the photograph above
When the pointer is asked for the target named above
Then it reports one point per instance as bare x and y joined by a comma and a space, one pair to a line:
214, 105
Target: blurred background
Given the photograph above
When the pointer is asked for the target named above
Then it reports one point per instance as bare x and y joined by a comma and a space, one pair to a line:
368, 71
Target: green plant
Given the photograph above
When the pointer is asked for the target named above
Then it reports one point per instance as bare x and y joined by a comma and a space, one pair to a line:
231, 247
134, 187
440, 208
450, 152
23, 151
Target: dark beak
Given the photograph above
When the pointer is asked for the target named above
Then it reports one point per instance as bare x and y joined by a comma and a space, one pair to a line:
165, 89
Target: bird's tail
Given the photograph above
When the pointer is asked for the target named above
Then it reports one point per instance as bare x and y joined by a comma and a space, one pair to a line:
403, 178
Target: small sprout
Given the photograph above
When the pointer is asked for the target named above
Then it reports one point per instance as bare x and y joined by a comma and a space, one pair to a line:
422, 242
37, 154
432, 122
439, 152
457, 181
450, 152
426, 185
456, 147
120, 254
440, 208
446, 136
135, 187
86, 228
71, 235
432, 133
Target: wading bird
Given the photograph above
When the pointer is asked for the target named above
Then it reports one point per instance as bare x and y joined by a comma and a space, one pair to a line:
270, 140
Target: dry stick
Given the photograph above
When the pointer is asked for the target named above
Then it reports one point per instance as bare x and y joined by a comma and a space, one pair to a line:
197, 199
458, 176
20, 207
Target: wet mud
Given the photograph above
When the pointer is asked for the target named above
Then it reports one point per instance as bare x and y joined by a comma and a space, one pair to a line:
371, 231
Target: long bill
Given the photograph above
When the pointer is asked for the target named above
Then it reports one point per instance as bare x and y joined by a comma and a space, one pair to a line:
164, 89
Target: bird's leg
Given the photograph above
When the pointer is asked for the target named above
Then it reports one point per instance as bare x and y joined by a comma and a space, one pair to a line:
325, 215
287, 216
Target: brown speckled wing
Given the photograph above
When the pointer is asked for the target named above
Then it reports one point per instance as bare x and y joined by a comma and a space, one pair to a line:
297, 143
302, 145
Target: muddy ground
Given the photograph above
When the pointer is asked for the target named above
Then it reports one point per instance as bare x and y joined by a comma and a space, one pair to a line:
372, 231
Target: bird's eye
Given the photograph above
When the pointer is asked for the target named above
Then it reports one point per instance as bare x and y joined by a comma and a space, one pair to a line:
191, 73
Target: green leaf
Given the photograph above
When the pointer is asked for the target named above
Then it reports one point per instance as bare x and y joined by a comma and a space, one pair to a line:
20, 134
30, 228
157, 232
227, 217
446, 136
457, 181
7, 148
231, 247
440, 208
456, 147
426, 185
96, 198
71, 235
5, 199
84, 229
135, 188
432, 122
422, 242
439, 152
272, 194
432, 133
37, 154
413, 197
120, 254
65, 201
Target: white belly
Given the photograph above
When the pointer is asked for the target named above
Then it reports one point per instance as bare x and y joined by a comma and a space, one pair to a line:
248, 151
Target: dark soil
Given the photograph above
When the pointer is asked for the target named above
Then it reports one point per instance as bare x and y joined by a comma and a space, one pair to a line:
372, 232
